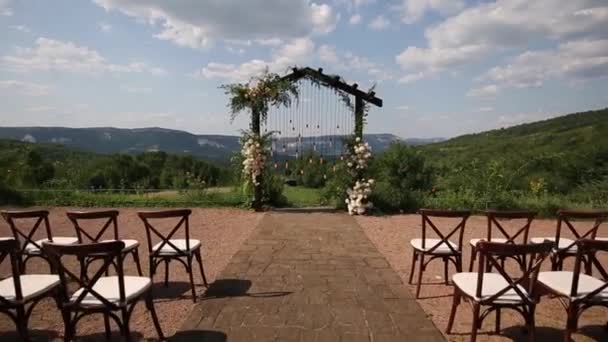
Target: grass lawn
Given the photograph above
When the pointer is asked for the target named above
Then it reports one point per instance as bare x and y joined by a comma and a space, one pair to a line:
300, 197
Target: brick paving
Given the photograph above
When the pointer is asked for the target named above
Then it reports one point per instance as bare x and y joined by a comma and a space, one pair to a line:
308, 277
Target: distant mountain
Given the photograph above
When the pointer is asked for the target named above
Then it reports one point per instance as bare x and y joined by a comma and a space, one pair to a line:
118, 140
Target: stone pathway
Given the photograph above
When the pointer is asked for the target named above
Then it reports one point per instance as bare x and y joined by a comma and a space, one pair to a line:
308, 277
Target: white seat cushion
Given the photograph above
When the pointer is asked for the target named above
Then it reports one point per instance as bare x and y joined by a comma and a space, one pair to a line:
31, 285
60, 240
474, 242
563, 242
108, 288
430, 243
561, 282
601, 238
129, 244
6, 238
179, 243
492, 284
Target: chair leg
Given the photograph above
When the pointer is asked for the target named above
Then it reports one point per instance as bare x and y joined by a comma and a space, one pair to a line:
455, 303
473, 257
106, 323
199, 259
126, 331
414, 258
190, 274
151, 267
445, 270
22, 324
570, 323
475, 324
420, 270
150, 307
166, 272
497, 323
531, 324
135, 253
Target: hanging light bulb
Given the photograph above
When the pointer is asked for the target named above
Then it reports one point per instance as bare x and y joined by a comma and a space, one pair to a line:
306, 125
276, 166
334, 168
341, 157
310, 161
318, 126
301, 171
286, 165
324, 176
289, 120
321, 160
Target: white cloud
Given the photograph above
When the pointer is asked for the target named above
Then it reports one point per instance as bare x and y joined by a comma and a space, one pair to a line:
575, 62
25, 88
49, 55
135, 89
39, 109
198, 23
490, 27
409, 78
355, 19
328, 54
379, 23
486, 109
485, 91
4, 8
104, 27
296, 52
20, 28
414, 10
403, 108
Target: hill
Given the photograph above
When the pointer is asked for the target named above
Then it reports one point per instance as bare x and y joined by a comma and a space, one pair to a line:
576, 133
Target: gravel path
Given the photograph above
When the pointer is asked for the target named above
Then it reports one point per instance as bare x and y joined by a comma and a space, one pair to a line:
221, 231
391, 235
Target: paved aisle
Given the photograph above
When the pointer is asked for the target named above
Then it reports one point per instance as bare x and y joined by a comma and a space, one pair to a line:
308, 277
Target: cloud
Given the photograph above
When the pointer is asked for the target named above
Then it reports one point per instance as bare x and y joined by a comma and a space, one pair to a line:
403, 108
486, 109
4, 8
198, 23
355, 19
478, 31
574, 61
20, 28
25, 88
485, 91
348, 61
379, 23
135, 89
104, 27
409, 78
54, 55
414, 10
296, 52
39, 109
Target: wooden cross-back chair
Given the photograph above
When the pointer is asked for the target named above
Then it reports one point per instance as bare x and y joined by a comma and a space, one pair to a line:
566, 247
170, 248
20, 293
440, 247
496, 222
30, 247
88, 234
577, 291
112, 296
499, 290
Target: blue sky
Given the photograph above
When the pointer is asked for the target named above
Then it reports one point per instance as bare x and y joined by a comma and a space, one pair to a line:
443, 67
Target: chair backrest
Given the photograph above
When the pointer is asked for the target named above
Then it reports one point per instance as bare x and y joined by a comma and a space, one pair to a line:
23, 233
82, 223
181, 215
491, 253
587, 248
566, 217
108, 252
10, 248
459, 217
497, 220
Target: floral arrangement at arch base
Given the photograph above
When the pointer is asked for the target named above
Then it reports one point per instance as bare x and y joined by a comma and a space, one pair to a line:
357, 161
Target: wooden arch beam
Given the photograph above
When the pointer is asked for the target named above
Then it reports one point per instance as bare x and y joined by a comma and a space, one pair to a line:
333, 81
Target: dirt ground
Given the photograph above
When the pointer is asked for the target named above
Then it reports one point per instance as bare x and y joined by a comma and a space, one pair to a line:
221, 232
392, 235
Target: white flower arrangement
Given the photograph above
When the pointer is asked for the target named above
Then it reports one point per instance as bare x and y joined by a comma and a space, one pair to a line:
254, 160
357, 200
359, 156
